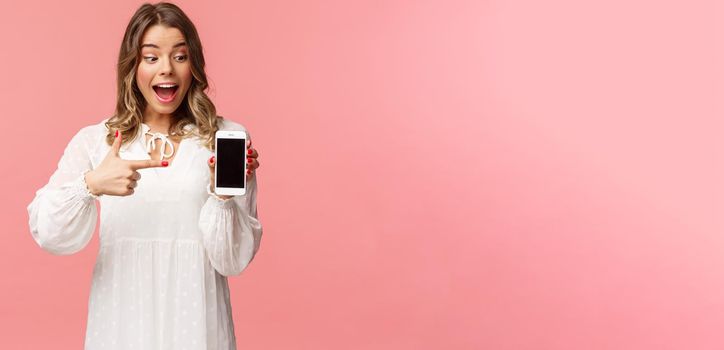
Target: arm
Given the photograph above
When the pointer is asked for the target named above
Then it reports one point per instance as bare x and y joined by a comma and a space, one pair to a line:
63, 214
231, 230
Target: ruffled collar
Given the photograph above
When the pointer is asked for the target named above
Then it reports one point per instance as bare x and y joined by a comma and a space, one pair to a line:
145, 128
165, 141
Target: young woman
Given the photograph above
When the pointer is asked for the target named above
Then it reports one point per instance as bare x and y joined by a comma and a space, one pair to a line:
167, 241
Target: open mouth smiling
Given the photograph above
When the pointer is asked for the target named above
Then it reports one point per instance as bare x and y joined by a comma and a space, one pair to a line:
165, 92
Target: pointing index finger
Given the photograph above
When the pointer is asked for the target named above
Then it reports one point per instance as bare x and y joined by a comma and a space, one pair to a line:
146, 163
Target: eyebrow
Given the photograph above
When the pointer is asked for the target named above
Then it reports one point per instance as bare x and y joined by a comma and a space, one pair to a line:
183, 43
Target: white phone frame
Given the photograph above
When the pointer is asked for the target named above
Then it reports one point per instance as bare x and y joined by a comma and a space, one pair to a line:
229, 134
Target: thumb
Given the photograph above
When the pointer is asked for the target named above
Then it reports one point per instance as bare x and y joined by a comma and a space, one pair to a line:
212, 164
116, 147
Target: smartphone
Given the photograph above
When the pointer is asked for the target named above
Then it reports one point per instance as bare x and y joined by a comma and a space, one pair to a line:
230, 170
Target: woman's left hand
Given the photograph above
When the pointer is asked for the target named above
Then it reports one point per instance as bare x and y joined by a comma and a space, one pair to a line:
251, 165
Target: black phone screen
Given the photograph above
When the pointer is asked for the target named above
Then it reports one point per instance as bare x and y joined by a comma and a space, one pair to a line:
230, 163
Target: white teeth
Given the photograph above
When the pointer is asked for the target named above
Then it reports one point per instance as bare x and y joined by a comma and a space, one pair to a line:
166, 85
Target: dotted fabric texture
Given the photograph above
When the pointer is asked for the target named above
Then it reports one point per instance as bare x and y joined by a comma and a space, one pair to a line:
160, 278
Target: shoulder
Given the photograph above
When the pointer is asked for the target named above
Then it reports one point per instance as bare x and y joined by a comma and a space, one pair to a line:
228, 124
90, 134
97, 128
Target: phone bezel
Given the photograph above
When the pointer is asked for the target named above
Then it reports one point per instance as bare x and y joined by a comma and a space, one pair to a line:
229, 134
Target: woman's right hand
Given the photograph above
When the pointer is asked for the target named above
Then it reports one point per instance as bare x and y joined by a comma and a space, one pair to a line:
116, 176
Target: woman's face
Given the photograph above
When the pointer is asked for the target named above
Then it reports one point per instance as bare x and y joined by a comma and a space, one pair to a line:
164, 59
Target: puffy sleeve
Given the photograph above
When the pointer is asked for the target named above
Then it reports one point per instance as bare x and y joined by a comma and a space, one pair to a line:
231, 230
63, 213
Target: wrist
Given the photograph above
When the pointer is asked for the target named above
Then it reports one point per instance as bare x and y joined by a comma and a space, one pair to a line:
210, 190
88, 185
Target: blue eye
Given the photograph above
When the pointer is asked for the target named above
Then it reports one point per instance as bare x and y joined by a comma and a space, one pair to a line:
149, 57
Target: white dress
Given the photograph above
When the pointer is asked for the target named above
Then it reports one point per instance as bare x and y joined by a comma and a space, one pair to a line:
160, 278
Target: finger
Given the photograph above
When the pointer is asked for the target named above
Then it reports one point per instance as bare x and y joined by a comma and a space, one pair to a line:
211, 162
252, 153
252, 166
136, 176
132, 185
116, 147
146, 163
252, 163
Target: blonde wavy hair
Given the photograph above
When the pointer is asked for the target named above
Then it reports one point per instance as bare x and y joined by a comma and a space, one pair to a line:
196, 109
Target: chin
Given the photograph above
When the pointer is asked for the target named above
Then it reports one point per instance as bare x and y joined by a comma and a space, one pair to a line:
165, 109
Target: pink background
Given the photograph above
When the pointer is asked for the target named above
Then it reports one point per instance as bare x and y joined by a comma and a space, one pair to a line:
434, 174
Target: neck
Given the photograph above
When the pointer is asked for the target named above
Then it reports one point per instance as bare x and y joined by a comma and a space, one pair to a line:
157, 122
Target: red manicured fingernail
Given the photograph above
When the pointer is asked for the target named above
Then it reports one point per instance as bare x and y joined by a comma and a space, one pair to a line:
248, 152
212, 159
116, 133
249, 161
164, 163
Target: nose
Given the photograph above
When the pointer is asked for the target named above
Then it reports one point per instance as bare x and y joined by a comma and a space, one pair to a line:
166, 67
